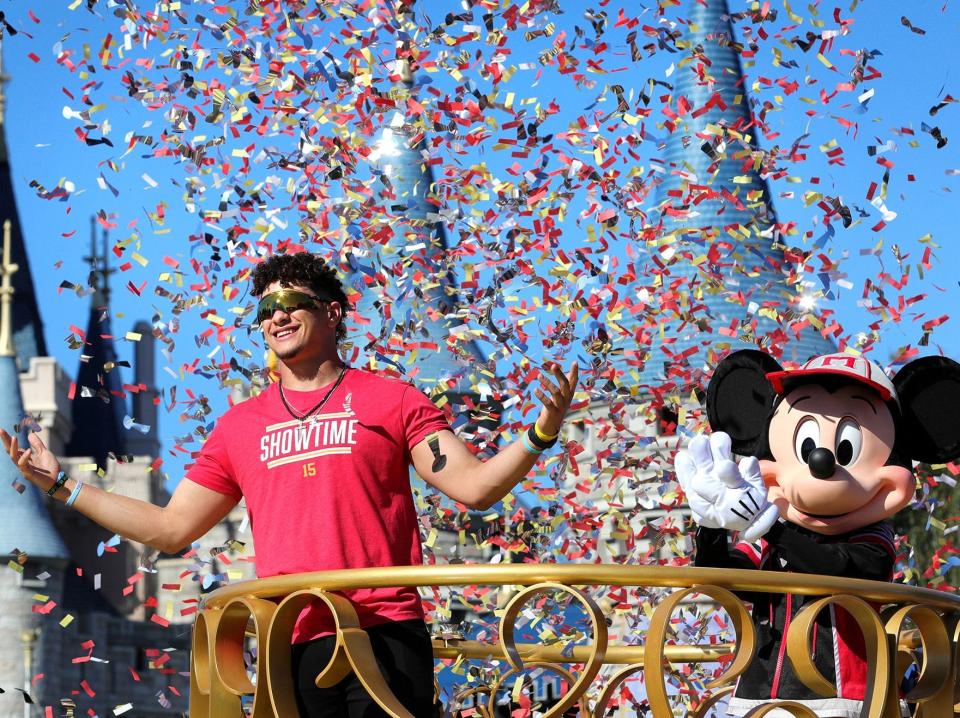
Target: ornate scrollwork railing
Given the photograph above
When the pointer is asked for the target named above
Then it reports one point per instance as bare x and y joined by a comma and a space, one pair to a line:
918, 626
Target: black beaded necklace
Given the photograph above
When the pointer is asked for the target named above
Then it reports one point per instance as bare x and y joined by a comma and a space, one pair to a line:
303, 417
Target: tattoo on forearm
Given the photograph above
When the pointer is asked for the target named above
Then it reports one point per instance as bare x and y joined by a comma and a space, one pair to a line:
439, 460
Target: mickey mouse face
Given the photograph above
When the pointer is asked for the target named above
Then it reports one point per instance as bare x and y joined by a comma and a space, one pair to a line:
825, 446
829, 451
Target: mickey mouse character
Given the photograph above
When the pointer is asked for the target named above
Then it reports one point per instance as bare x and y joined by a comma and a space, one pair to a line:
829, 450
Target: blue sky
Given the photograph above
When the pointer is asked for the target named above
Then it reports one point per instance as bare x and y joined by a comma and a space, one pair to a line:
887, 112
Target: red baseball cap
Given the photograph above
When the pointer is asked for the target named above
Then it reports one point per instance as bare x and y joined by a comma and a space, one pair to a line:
856, 368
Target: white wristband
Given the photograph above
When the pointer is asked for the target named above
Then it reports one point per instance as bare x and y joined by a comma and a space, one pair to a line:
75, 493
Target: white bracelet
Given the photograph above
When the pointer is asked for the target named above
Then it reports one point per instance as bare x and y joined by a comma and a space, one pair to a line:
75, 493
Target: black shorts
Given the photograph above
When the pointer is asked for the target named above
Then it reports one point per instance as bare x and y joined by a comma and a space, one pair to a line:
405, 656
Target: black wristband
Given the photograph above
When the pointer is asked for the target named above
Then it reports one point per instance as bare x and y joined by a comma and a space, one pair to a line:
58, 484
537, 441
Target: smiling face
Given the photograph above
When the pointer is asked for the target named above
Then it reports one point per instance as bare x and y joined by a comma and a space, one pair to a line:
304, 333
829, 450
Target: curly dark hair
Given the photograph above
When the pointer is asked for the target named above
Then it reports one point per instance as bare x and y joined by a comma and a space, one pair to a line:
305, 270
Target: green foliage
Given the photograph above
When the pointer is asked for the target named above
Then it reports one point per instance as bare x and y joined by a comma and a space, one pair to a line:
925, 526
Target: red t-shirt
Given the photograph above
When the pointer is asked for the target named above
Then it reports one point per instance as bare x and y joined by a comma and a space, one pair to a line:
329, 494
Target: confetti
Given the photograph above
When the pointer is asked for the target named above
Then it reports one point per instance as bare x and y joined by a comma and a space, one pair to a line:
499, 185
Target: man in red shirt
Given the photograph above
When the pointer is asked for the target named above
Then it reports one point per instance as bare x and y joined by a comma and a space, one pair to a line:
322, 459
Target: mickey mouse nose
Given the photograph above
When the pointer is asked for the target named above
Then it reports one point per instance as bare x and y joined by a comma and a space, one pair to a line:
822, 463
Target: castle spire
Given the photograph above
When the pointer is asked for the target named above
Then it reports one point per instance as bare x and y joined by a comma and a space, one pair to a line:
99, 406
100, 269
24, 325
4, 78
714, 258
401, 265
6, 296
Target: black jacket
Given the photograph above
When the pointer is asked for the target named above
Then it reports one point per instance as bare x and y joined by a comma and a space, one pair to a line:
839, 655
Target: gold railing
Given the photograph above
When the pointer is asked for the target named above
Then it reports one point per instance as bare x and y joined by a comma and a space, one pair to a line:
914, 625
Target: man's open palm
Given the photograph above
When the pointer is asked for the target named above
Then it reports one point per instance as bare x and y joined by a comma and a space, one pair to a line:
34, 463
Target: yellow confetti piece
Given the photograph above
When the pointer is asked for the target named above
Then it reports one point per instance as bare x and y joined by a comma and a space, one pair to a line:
517, 688
66, 620
133, 336
792, 15
825, 61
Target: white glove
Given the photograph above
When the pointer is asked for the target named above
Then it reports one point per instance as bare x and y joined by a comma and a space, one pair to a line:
721, 495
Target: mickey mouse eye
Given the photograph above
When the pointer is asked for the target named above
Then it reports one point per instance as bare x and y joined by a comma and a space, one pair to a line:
849, 442
807, 438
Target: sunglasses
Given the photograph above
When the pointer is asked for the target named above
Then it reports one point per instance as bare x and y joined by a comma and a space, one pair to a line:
287, 301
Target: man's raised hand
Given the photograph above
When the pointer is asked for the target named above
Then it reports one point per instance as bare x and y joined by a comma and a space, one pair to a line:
37, 464
556, 397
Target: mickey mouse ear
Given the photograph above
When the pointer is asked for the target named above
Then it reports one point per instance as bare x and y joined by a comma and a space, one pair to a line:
929, 391
739, 397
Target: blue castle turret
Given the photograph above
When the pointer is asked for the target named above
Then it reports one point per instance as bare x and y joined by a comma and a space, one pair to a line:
58, 590
712, 276
401, 263
25, 529
713, 254
409, 313
24, 521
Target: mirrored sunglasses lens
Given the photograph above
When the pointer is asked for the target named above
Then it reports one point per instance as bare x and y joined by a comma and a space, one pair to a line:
301, 301
284, 301
266, 308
